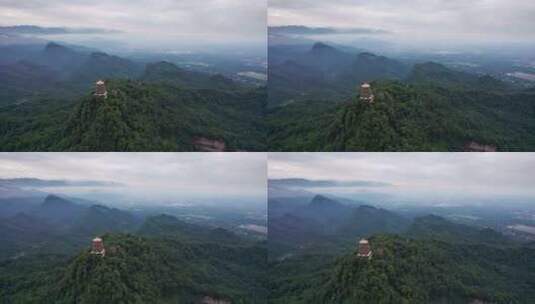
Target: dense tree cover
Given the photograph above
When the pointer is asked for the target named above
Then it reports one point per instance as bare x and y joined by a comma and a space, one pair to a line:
314, 106
437, 74
46, 104
324, 72
312, 259
140, 270
438, 228
326, 226
58, 226
168, 73
45, 258
418, 117
405, 270
137, 117
298, 280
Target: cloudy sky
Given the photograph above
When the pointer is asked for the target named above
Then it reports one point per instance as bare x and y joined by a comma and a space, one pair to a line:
451, 174
156, 21
418, 20
170, 177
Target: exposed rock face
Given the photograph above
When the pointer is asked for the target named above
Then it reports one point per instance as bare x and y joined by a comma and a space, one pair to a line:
477, 147
210, 300
209, 145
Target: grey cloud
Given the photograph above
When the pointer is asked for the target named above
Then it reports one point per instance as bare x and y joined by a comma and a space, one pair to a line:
306, 183
416, 20
164, 176
205, 21
461, 173
37, 30
305, 30
43, 183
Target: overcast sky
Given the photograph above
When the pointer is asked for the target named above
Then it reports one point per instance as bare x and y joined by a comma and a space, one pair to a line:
186, 21
420, 20
172, 177
480, 174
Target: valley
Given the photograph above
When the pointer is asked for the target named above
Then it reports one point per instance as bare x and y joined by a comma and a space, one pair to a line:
420, 106
83, 240
400, 228
425, 259
154, 106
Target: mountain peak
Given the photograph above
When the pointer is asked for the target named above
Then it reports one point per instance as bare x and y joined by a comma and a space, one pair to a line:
54, 45
320, 200
431, 66
367, 55
99, 208
59, 209
163, 64
54, 200
431, 218
367, 207
164, 218
161, 69
53, 48
320, 47
97, 55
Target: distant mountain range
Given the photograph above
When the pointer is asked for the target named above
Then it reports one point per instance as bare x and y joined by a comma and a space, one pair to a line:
312, 250
45, 258
39, 30
306, 30
47, 104
303, 228
314, 103
55, 220
325, 72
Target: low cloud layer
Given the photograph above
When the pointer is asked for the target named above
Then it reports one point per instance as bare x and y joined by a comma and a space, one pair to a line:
306, 183
44, 183
416, 20
305, 30
460, 174
154, 21
37, 30
146, 176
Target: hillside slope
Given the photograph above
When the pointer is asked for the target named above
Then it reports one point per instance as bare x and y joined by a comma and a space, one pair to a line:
138, 116
410, 271
168, 261
417, 117
148, 270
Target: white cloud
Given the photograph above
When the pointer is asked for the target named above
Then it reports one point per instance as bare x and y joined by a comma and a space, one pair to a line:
207, 20
489, 20
485, 174
179, 175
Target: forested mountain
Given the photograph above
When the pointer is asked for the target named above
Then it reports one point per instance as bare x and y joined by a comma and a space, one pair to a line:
405, 117
47, 104
437, 74
428, 107
325, 225
326, 72
46, 258
139, 116
428, 271
424, 260
58, 225
168, 73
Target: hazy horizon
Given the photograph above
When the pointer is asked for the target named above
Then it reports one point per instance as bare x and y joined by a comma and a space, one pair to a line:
141, 25
142, 178
424, 178
416, 24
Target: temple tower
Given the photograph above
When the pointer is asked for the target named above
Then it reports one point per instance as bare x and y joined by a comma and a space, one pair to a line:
97, 247
100, 89
364, 250
366, 93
